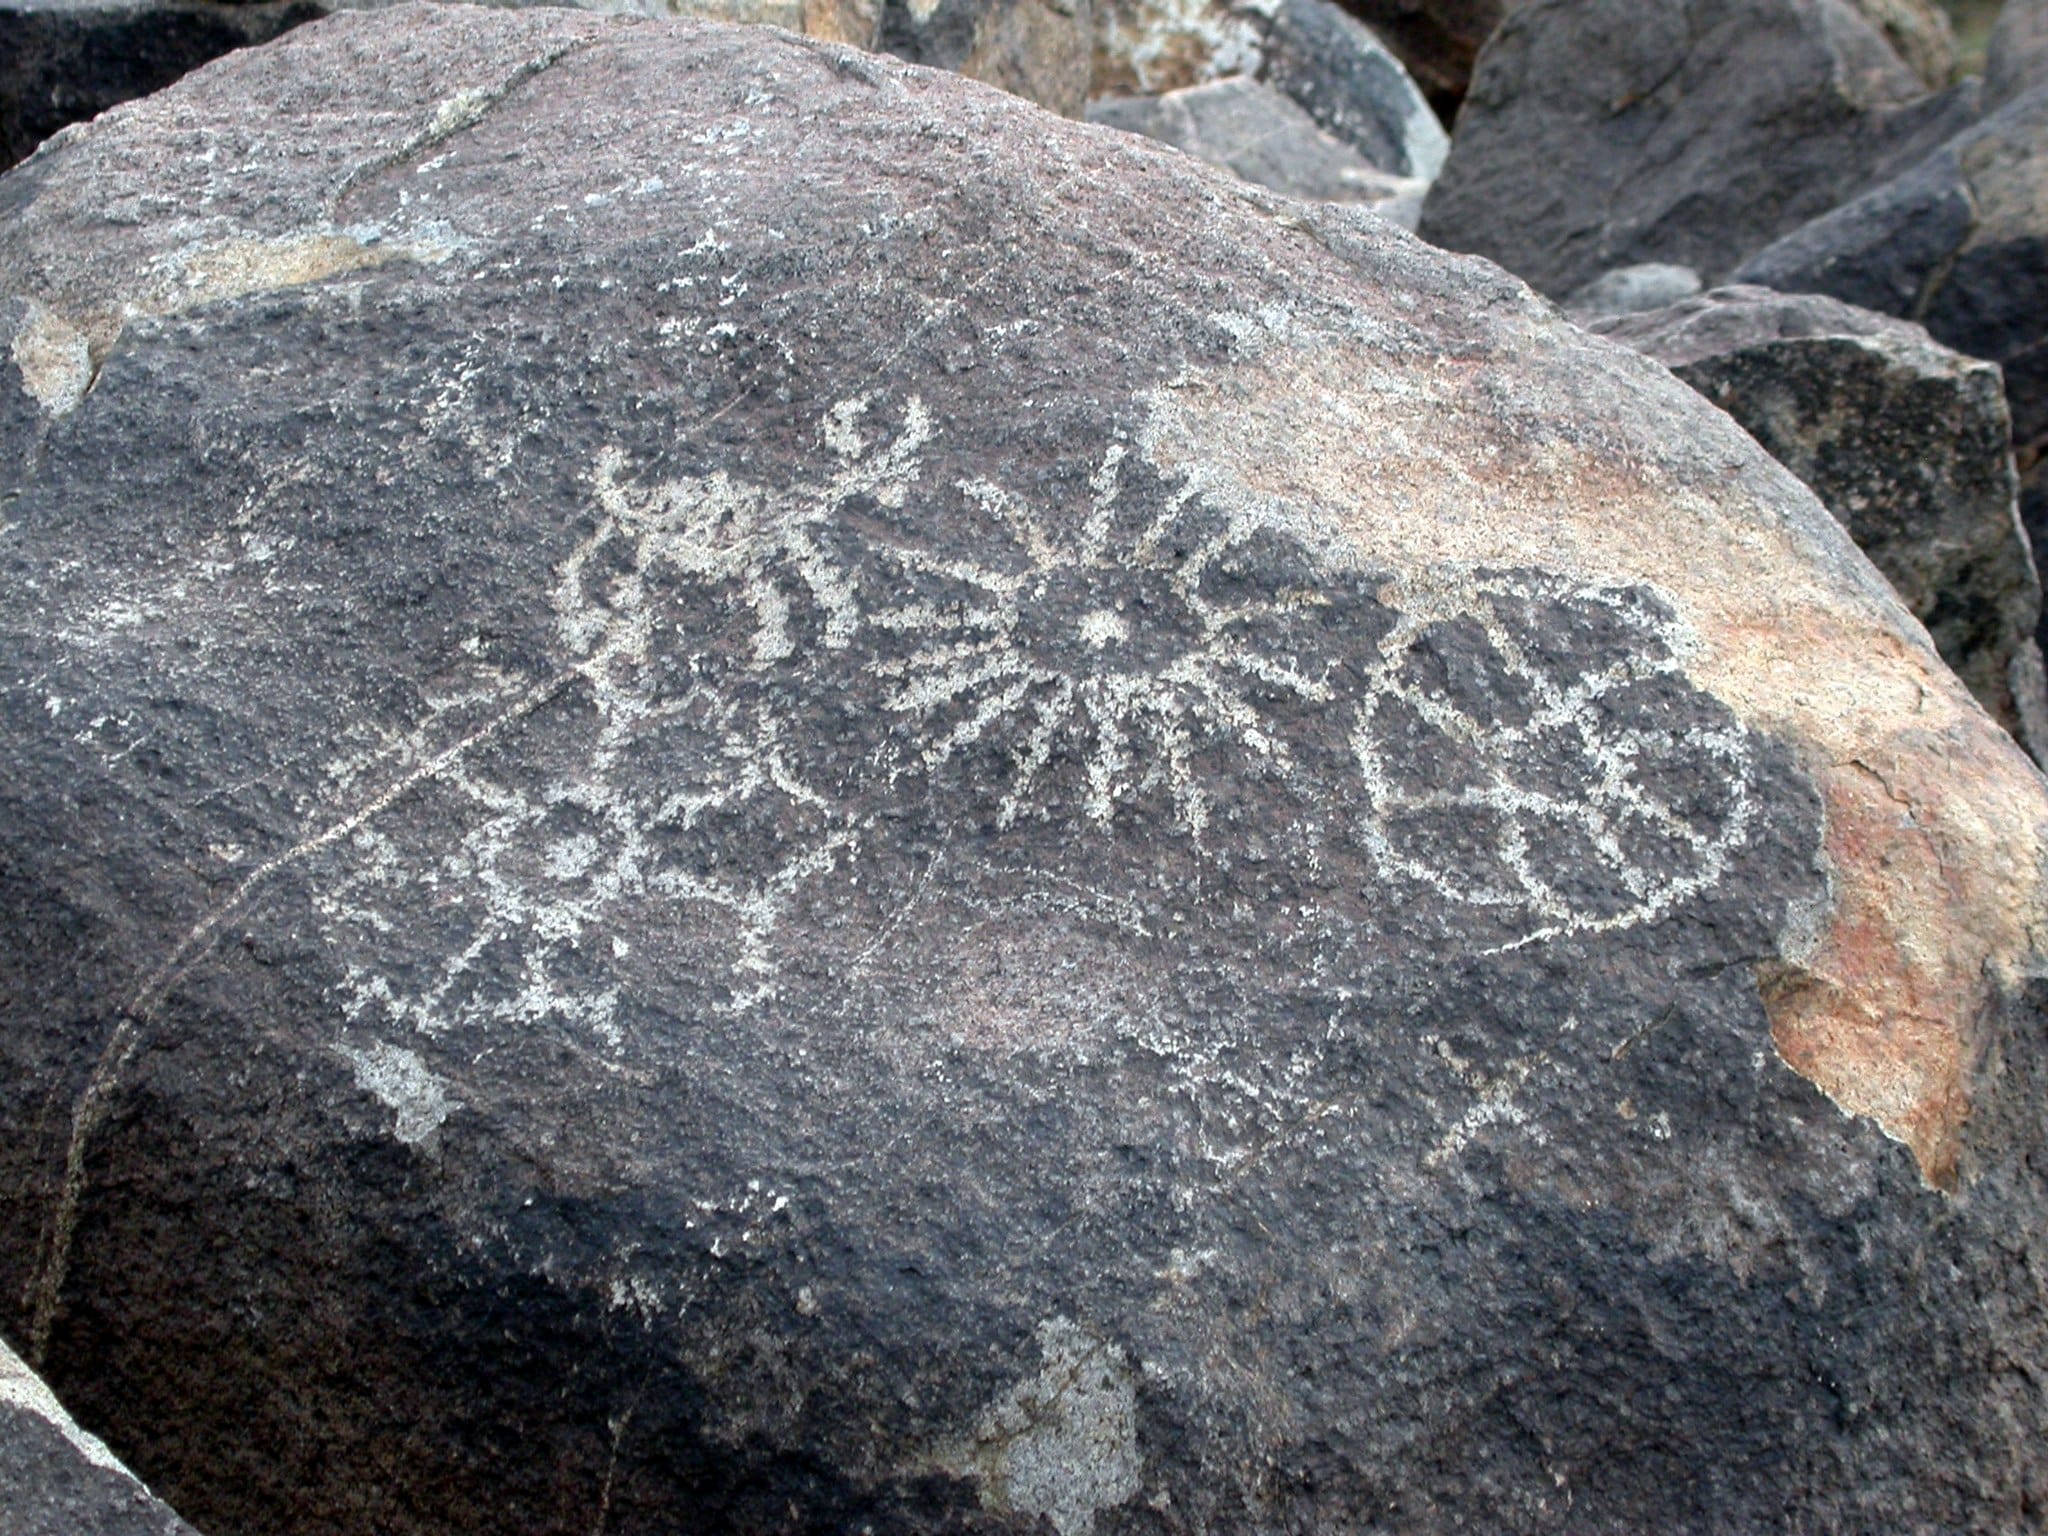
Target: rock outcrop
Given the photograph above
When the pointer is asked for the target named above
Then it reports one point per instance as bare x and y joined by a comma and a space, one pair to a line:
1908, 443
1606, 133
57, 1480
1959, 243
742, 790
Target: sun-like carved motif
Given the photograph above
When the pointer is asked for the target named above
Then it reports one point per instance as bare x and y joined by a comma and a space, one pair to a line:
1099, 636
1564, 798
760, 682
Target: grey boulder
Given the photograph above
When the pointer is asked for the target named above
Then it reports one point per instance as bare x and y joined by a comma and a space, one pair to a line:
1606, 133
1255, 132
1326, 62
1958, 243
2016, 56
743, 790
1628, 290
1908, 443
58, 1480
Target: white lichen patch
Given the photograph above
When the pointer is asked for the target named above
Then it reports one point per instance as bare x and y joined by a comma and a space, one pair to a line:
1062, 1443
400, 1081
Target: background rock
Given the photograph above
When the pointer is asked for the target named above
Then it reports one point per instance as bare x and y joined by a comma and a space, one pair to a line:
1042, 50
740, 782
1958, 243
1252, 130
1628, 290
2016, 57
1325, 61
1919, 33
1604, 133
1436, 40
57, 1480
1905, 441
62, 61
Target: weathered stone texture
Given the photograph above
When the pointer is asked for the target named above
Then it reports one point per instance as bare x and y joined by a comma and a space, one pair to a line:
1605, 133
746, 791
57, 1480
1908, 443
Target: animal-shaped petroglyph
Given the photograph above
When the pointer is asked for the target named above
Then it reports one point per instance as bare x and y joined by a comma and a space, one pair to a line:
1070, 662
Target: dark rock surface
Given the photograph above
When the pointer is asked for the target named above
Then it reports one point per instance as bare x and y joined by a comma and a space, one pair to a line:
57, 1480
2016, 57
1254, 131
1325, 61
62, 61
1437, 40
1605, 133
1909, 444
746, 791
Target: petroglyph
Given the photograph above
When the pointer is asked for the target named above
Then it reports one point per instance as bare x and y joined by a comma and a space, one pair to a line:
1474, 804
1086, 659
1104, 641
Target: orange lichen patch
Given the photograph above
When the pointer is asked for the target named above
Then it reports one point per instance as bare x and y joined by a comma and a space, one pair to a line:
1936, 823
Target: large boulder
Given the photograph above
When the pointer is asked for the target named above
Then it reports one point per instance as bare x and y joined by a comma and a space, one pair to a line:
1908, 443
58, 1480
1606, 133
746, 791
